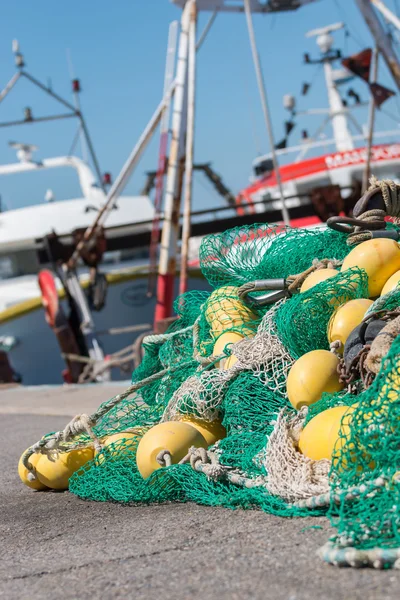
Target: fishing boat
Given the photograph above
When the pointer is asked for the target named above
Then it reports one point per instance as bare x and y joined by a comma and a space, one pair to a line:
123, 232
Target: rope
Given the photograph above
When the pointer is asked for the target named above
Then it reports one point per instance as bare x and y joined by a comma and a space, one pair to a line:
160, 338
378, 558
164, 458
296, 281
391, 197
85, 423
354, 492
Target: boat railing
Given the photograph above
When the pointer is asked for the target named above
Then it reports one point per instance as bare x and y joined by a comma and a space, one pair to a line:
303, 148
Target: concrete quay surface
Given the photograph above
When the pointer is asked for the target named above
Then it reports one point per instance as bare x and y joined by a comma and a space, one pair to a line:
56, 545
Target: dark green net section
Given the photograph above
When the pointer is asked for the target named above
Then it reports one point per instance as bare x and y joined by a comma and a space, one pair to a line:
249, 402
265, 251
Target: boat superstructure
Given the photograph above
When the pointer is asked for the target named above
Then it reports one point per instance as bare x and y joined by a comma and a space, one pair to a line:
323, 171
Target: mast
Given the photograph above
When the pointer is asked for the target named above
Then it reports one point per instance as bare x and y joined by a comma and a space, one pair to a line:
169, 238
265, 108
337, 111
382, 40
187, 203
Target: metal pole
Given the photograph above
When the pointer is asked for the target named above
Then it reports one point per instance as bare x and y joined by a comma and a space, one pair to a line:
123, 177
77, 103
371, 121
167, 264
48, 90
206, 29
387, 13
37, 120
9, 85
187, 202
381, 38
92, 152
264, 103
162, 157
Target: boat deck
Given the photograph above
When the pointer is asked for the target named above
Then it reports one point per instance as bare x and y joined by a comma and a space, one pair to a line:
55, 541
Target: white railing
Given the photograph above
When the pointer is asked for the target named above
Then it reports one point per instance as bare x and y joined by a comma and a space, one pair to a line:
306, 146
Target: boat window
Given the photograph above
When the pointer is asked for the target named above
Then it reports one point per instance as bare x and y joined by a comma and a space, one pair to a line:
23, 262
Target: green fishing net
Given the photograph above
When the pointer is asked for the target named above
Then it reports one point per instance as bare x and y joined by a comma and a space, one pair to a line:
224, 360
265, 251
367, 460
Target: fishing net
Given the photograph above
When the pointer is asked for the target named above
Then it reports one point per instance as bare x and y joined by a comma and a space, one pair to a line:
227, 361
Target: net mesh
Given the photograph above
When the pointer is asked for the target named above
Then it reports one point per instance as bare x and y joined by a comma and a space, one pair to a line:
227, 362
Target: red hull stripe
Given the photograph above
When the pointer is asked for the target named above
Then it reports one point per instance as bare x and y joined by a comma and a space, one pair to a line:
325, 163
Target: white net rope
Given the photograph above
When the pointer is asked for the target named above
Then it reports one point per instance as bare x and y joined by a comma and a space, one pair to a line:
264, 355
291, 475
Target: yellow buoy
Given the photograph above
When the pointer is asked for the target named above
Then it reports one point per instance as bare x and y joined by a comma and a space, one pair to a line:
55, 470
23, 473
212, 431
224, 310
230, 337
317, 277
311, 375
318, 438
131, 440
391, 283
345, 319
379, 257
173, 436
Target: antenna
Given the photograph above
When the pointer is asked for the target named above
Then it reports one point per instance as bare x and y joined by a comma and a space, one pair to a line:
74, 111
24, 151
324, 39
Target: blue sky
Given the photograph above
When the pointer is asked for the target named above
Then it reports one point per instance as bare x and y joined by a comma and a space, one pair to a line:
118, 52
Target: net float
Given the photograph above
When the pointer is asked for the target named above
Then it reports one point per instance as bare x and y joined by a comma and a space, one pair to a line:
212, 431
173, 437
225, 310
311, 375
391, 284
345, 319
130, 439
319, 437
24, 473
317, 277
54, 470
379, 257
229, 337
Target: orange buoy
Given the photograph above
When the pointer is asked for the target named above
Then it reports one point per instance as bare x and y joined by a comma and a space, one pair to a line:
379, 257
311, 375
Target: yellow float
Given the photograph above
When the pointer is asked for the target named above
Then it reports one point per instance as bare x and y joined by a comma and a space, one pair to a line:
391, 283
212, 431
345, 319
224, 310
131, 440
311, 375
319, 437
230, 337
23, 473
174, 437
317, 277
379, 257
54, 470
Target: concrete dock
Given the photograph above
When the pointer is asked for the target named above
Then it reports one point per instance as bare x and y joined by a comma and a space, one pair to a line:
56, 545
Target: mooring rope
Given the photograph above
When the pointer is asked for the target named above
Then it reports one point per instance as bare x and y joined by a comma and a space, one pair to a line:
391, 198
